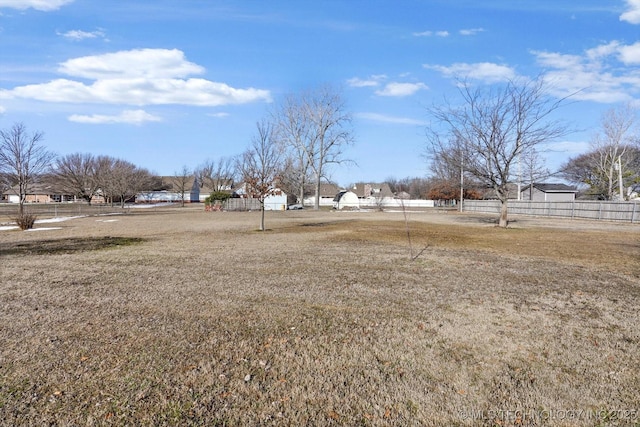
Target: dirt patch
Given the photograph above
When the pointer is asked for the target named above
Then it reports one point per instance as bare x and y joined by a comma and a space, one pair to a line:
66, 246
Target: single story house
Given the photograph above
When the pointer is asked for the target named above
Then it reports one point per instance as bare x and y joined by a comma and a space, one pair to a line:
372, 190
548, 192
327, 194
39, 193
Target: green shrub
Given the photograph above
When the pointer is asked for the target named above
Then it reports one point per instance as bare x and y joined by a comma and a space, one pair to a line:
217, 196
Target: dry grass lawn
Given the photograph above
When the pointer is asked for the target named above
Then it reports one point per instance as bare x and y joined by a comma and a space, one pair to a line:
186, 317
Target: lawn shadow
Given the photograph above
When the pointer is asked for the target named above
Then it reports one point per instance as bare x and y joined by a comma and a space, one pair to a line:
57, 246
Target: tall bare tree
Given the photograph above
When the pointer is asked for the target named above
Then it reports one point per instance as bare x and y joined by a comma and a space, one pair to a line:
618, 134
23, 159
292, 131
182, 182
497, 125
585, 169
316, 126
612, 162
260, 165
75, 173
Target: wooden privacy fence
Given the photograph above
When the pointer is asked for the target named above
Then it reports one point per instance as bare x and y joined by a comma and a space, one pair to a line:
598, 210
242, 204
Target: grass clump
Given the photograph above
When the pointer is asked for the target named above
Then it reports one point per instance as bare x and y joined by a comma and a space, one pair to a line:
26, 221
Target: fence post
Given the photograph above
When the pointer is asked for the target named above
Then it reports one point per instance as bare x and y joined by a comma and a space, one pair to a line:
599, 211
633, 212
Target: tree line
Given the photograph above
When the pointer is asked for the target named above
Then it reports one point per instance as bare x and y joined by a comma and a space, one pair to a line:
296, 144
487, 139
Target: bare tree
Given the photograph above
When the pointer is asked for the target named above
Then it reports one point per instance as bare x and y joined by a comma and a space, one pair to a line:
75, 173
119, 179
316, 128
612, 159
586, 169
616, 137
260, 166
497, 126
415, 187
182, 182
23, 159
533, 168
292, 131
217, 175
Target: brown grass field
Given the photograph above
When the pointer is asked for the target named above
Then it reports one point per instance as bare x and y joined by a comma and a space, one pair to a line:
185, 317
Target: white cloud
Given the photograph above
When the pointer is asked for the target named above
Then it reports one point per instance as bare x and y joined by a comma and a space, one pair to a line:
78, 35
471, 31
485, 71
632, 15
44, 5
220, 115
603, 51
401, 89
376, 117
599, 75
630, 54
136, 77
429, 33
149, 63
372, 81
135, 117
2, 110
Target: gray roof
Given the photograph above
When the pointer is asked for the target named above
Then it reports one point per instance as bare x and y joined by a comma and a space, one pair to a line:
552, 188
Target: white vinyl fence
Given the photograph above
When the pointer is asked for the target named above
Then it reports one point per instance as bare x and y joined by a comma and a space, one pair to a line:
598, 210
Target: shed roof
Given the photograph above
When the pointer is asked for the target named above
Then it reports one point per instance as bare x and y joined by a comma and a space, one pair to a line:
552, 187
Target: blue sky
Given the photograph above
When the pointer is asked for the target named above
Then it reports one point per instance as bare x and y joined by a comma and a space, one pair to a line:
167, 83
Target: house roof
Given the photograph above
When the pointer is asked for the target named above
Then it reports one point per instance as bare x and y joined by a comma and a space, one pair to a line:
552, 187
328, 190
372, 190
40, 188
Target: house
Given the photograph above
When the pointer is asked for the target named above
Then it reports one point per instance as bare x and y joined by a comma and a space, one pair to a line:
346, 199
41, 192
328, 192
369, 191
373, 195
167, 189
548, 192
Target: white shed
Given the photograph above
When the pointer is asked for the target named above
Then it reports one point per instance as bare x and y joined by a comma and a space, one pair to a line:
276, 202
346, 199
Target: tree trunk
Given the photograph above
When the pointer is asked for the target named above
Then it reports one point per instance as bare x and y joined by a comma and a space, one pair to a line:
503, 213
316, 202
301, 195
262, 217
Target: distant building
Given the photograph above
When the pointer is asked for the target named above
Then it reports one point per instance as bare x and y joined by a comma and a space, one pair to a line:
548, 192
376, 191
346, 200
327, 194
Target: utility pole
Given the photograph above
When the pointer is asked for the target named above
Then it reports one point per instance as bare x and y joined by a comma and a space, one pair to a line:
461, 183
620, 186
